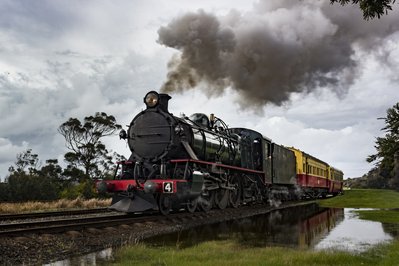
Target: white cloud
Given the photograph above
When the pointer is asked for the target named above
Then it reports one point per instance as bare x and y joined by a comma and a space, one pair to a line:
62, 60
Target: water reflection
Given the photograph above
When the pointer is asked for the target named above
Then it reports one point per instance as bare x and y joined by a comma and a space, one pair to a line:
354, 235
300, 227
91, 259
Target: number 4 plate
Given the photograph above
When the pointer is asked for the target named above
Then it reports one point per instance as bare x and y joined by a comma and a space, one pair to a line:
168, 187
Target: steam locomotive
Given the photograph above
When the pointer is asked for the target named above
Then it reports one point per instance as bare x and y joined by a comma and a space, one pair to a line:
199, 163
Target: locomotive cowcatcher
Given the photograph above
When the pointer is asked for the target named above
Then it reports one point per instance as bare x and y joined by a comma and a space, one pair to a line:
197, 162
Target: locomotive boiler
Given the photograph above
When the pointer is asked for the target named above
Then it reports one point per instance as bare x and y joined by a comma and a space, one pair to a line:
197, 162
156, 136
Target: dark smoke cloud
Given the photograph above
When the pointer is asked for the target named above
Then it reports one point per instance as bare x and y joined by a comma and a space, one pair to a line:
206, 48
282, 47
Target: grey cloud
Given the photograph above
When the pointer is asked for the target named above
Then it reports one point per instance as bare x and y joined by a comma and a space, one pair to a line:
36, 21
33, 103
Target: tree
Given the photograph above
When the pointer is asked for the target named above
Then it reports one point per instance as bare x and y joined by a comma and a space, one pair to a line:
27, 182
24, 160
84, 141
387, 156
370, 8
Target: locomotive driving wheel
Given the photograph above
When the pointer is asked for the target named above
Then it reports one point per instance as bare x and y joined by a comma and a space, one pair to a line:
192, 205
164, 204
235, 194
205, 201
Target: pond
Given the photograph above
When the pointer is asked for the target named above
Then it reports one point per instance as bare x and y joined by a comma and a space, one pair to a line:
301, 227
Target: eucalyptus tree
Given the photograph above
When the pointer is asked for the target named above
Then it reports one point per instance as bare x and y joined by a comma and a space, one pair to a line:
370, 8
83, 139
387, 156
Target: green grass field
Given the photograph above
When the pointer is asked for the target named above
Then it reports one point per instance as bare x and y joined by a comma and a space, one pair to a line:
228, 253
231, 253
364, 198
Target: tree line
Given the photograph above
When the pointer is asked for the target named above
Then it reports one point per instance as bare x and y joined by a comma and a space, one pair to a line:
87, 159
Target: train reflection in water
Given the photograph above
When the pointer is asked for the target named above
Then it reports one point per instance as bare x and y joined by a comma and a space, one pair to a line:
299, 226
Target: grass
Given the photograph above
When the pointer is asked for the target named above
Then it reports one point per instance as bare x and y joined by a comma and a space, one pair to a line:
364, 198
231, 253
383, 216
36, 206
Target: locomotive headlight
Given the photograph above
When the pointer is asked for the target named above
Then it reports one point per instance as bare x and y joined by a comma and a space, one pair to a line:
151, 99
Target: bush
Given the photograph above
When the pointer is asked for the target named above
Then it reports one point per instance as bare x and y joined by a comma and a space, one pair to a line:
84, 189
23, 187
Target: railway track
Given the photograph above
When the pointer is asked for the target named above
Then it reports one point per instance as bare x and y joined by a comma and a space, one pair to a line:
37, 215
68, 224
62, 225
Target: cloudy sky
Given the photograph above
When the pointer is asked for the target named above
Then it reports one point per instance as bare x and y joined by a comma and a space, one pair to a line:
303, 73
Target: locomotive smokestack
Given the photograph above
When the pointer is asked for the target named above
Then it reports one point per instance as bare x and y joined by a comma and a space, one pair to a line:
163, 101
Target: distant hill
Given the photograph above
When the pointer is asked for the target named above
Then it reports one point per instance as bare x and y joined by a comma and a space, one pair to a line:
356, 182
375, 178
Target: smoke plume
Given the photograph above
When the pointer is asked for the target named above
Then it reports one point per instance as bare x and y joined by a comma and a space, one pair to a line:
279, 48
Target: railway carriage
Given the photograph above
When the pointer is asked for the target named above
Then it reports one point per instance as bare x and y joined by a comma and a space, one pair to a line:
336, 177
312, 174
197, 162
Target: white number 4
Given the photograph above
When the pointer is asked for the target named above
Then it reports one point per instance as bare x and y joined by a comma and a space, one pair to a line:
168, 187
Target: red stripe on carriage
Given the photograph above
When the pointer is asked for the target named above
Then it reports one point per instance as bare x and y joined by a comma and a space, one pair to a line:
312, 181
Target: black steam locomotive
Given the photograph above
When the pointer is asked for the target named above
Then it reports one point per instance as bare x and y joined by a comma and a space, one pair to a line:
198, 162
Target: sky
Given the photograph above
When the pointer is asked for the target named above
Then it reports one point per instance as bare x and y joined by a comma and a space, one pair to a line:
303, 73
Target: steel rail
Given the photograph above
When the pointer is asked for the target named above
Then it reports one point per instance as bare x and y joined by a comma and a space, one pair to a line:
33, 215
77, 224
59, 226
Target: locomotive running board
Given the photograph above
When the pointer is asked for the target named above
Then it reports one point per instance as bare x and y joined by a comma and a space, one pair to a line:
189, 150
140, 202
